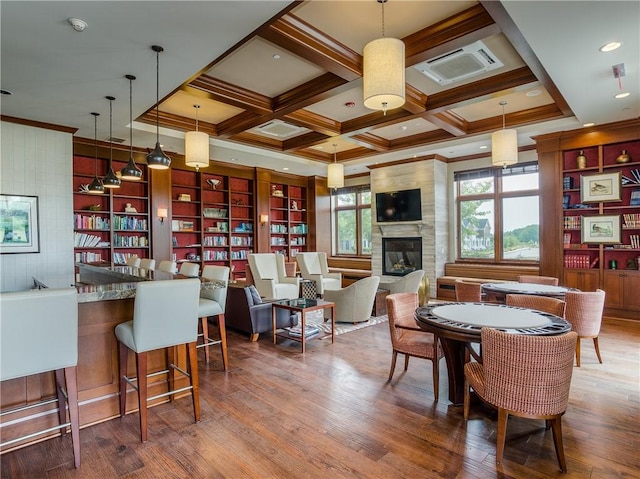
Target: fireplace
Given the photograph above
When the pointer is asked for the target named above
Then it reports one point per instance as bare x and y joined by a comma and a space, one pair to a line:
401, 256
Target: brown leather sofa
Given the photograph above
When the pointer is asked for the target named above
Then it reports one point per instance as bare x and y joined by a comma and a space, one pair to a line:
247, 313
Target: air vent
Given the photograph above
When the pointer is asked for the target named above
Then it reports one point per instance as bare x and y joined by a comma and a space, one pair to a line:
460, 64
113, 139
279, 129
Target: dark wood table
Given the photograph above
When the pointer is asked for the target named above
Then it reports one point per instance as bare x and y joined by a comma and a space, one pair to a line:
496, 292
302, 306
457, 325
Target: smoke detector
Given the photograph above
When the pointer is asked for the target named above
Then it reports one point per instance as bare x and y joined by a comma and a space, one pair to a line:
78, 24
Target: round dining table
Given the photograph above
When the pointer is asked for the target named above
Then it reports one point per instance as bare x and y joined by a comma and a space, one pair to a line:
457, 325
496, 292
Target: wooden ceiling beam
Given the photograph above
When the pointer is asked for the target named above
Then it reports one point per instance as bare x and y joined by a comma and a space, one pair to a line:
313, 121
233, 94
372, 142
448, 121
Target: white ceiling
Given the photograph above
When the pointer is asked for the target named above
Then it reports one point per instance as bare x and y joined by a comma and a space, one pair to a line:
58, 76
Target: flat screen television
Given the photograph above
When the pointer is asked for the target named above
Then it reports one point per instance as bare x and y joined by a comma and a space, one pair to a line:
404, 205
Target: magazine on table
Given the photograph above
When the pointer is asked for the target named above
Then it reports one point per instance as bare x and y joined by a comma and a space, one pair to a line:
310, 330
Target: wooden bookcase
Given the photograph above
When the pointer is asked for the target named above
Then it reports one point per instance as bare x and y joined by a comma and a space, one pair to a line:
212, 219
600, 228
104, 231
288, 219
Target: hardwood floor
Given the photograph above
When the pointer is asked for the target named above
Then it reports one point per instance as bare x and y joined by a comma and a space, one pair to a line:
332, 414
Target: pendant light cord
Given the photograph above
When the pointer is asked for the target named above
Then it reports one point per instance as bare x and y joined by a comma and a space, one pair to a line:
110, 134
335, 152
157, 95
131, 116
95, 141
383, 2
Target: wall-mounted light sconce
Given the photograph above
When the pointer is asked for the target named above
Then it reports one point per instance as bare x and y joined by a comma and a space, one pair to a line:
162, 214
264, 219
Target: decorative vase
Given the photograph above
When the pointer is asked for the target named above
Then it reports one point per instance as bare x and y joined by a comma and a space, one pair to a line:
581, 160
423, 291
623, 157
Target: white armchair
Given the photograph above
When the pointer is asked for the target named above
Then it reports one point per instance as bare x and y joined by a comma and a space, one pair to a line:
354, 303
314, 267
409, 283
270, 277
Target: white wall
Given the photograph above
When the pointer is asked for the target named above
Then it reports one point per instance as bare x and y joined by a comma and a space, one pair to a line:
38, 162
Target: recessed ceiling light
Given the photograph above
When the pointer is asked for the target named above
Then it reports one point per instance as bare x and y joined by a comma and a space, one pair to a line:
285, 168
483, 147
533, 93
608, 47
623, 95
587, 125
233, 159
5, 92
403, 128
276, 56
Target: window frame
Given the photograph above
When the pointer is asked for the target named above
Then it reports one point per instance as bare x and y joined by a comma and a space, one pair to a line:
497, 195
357, 208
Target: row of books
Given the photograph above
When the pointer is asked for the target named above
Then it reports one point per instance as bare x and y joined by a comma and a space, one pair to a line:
88, 257
579, 261
121, 258
635, 241
631, 220
635, 177
129, 223
120, 241
210, 255
93, 222
572, 222
84, 240
215, 241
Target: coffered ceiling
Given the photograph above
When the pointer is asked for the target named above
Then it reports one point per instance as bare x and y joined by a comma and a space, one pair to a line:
280, 83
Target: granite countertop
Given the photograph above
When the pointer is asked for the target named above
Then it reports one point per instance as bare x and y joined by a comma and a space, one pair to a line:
100, 283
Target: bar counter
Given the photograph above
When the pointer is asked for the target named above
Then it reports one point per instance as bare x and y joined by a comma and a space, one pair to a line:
105, 299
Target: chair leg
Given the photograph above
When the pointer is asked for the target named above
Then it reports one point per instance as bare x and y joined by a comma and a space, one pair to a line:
503, 417
62, 400
192, 353
578, 351
595, 344
123, 355
556, 428
467, 400
394, 356
141, 366
223, 341
204, 327
171, 354
435, 363
406, 362
71, 379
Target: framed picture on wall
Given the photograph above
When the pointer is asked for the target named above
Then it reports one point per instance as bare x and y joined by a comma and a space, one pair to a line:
19, 231
601, 229
600, 188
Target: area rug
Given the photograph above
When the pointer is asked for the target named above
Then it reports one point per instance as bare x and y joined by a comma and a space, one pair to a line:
316, 318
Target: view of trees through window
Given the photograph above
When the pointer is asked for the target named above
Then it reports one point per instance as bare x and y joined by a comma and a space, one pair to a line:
498, 213
352, 221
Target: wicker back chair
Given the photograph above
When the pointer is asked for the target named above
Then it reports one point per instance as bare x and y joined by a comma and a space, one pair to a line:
525, 376
584, 312
529, 278
468, 291
539, 303
406, 340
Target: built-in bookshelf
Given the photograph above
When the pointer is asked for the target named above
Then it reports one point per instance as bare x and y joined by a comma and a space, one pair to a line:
186, 241
288, 226
113, 226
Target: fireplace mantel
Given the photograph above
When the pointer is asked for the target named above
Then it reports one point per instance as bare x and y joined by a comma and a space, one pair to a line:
385, 227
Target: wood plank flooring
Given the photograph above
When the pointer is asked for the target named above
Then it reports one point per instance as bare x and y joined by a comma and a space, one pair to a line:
332, 414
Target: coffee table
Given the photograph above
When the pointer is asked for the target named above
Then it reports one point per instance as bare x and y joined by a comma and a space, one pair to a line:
302, 306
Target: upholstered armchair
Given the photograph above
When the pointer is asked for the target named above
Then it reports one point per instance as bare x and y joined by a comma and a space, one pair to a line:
409, 283
354, 303
270, 276
314, 267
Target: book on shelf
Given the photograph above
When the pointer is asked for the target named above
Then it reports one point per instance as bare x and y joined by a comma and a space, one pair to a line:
635, 198
309, 331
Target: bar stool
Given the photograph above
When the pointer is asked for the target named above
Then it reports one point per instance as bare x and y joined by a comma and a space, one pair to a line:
165, 314
168, 266
39, 333
213, 302
148, 264
189, 269
133, 261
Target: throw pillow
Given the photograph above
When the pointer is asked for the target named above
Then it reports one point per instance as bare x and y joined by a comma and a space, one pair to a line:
255, 296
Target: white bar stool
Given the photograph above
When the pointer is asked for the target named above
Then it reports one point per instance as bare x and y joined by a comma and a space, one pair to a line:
39, 333
165, 314
213, 301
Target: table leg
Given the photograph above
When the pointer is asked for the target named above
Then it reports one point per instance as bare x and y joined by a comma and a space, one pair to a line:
273, 322
454, 356
304, 331
333, 323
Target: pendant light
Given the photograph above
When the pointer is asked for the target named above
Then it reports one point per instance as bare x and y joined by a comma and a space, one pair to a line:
157, 159
111, 180
131, 171
504, 144
383, 72
96, 187
335, 171
196, 147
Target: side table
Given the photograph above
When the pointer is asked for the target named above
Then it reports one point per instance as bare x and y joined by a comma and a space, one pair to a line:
308, 289
380, 303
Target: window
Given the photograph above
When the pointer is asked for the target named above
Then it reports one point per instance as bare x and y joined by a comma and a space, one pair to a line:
351, 208
498, 214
